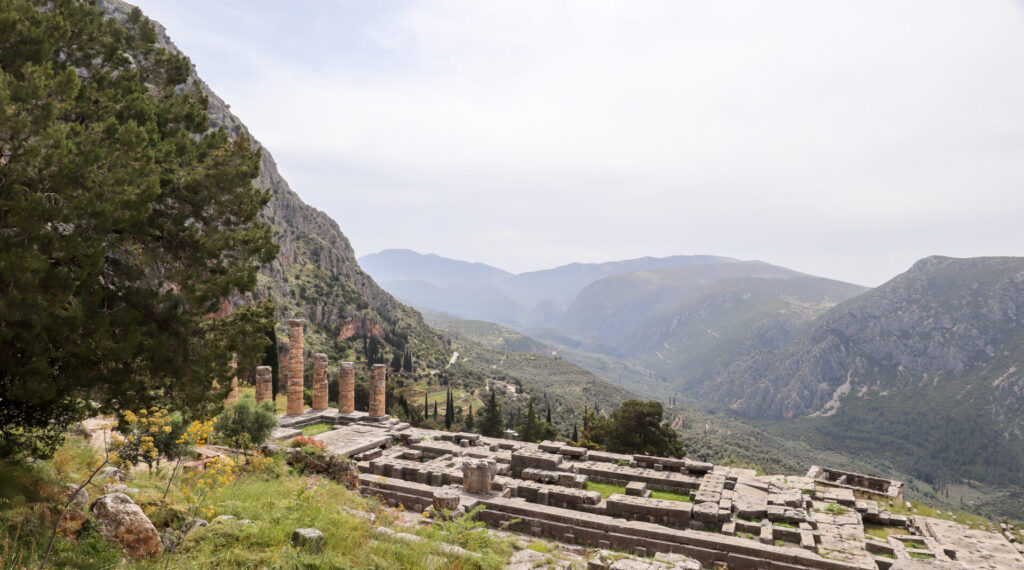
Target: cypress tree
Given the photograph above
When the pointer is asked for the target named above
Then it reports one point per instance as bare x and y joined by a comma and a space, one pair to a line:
435, 410
407, 362
549, 412
449, 412
272, 359
426, 404
531, 429
469, 419
575, 436
490, 423
396, 361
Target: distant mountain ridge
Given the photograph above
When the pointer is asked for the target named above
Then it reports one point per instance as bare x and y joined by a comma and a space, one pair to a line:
479, 291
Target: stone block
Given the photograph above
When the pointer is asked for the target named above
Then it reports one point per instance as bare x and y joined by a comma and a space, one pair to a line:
637, 489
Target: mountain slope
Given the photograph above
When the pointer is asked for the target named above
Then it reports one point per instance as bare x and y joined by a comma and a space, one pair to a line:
927, 368
688, 323
315, 275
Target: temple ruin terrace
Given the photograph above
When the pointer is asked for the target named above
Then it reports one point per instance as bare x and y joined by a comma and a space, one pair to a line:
720, 516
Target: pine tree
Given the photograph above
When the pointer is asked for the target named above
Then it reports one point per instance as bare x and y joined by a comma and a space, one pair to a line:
490, 422
125, 222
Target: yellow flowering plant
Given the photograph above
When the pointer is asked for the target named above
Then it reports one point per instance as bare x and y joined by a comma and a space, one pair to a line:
135, 441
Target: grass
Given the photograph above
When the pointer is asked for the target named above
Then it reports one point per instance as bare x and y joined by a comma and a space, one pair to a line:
974, 521
784, 524
915, 545
276, 499
670, 496
834, 509
539, 546
606, 489
316, 428
920, 555
883, 532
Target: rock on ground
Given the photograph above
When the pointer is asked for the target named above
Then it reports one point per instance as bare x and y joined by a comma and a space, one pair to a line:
121, 520
308, 539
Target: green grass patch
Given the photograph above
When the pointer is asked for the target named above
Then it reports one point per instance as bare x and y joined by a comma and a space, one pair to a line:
606, 489
883, 532
539, 546
784, 524
920, 555
914, 545
316, 429
276, 499
670, 496
834, 509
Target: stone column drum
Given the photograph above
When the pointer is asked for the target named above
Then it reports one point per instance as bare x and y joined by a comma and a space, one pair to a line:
477, 474
347, 388
319, 381
295, 365
377, 376
264, 383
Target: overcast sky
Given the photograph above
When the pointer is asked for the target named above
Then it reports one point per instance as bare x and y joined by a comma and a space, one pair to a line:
843, 139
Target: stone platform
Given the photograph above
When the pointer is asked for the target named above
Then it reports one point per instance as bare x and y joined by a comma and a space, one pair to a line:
732, 516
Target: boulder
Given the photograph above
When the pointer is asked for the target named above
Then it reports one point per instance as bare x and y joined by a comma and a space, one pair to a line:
121, 520
309, 539
81, 496
111, 472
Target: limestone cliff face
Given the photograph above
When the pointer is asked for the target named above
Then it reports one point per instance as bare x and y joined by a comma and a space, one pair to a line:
954, 322
316, 275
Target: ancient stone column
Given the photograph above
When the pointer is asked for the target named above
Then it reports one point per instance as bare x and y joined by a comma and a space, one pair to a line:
445, 500
233, 394
319, 381
477, 474
264, 383
295, 365
377, 375
347, 388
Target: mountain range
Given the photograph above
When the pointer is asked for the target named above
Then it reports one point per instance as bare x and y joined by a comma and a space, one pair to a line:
925, 372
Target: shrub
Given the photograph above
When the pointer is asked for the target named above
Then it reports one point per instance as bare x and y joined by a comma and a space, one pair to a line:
246, 424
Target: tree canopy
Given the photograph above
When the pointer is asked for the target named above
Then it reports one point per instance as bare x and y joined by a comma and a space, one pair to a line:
635, 427
125, 224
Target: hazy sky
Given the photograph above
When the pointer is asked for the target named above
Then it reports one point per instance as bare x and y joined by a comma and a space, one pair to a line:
843, 139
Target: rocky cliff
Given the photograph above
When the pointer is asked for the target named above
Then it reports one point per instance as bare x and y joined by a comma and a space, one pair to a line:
316, 275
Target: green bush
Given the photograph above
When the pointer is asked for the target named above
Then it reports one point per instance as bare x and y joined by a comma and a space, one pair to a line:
246, 424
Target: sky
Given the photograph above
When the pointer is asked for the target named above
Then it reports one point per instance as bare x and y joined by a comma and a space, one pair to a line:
842, 139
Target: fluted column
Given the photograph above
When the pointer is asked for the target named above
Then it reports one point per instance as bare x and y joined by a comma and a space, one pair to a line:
377, 377
347, 388
295, 366
319, 381
264, 383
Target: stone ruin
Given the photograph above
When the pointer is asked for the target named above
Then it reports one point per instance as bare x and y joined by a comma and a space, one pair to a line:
295, 366
720, 516
715, 514
866, 484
